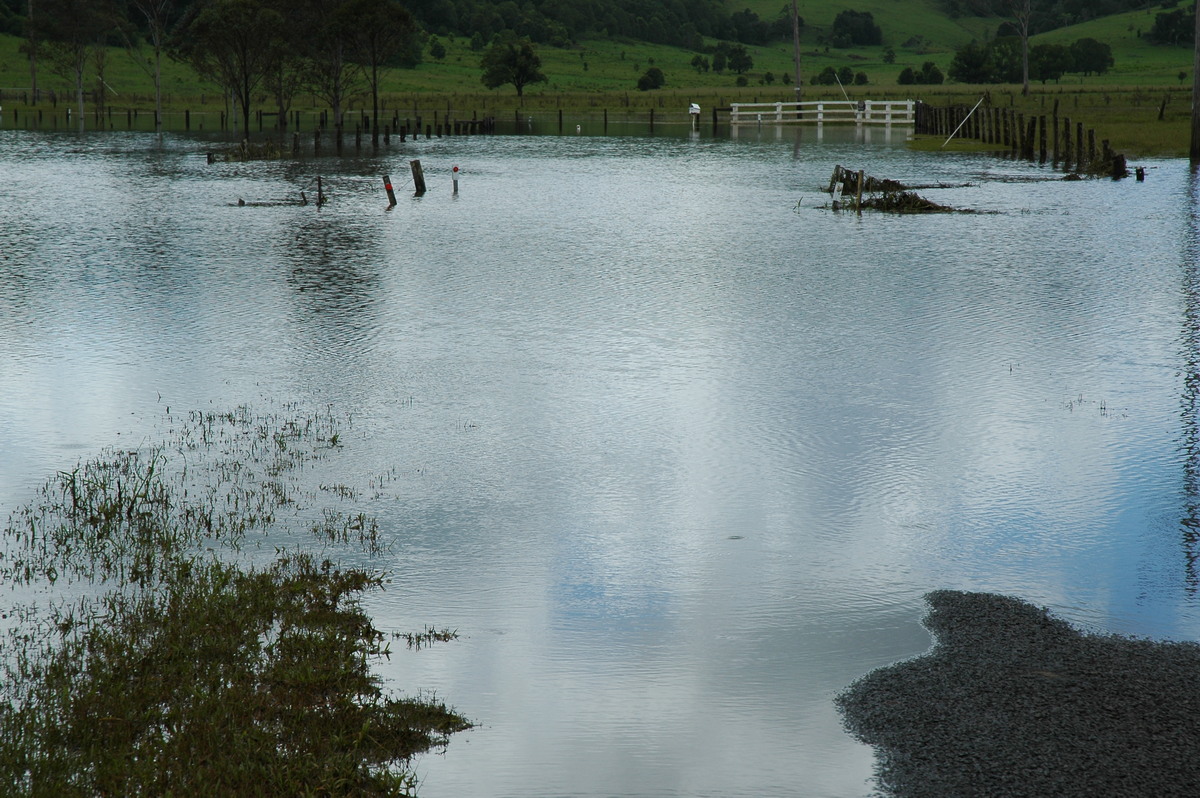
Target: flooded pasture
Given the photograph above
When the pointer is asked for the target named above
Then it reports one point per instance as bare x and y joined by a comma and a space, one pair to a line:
676, 449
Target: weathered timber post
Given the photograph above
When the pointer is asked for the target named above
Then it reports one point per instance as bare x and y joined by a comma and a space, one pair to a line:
1091, 146
858, 193
428, 132
836, 177
295, 142
1042, 138
187, 119
560, 121
1079, 162
651, 120
320, 193
454, 178
391, 194
1030, 133
418, 178
1054, 127
1066, 133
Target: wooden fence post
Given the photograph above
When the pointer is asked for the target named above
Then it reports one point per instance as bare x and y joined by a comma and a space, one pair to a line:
418, 178
1066, 148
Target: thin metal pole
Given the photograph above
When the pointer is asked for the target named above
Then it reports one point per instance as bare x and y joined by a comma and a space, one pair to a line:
960, 124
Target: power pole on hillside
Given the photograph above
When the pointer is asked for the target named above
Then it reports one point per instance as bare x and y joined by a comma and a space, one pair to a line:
1195, 151
796, 48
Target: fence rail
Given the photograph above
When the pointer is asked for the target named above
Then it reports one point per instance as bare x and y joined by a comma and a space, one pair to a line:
820, 112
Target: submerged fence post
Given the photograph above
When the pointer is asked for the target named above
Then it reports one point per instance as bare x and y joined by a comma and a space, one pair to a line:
418, 175
454, 177
387, 186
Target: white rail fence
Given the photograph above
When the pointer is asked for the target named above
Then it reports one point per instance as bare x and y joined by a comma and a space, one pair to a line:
820, 112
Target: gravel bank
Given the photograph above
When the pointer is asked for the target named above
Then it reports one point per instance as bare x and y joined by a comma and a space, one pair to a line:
1014, 702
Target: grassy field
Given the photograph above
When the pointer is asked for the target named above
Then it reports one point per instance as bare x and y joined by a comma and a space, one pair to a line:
1123, 105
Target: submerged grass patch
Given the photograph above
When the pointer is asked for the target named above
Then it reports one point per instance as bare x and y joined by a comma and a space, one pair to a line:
164, 662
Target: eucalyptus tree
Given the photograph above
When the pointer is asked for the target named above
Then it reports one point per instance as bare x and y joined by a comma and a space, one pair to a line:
234, 43
383, 34
1022, 11
70, 32
511, 60
159, 16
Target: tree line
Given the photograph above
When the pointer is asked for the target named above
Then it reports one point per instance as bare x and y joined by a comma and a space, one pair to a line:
1045, 15
681, 23
337, 48
277, 48
1000, 60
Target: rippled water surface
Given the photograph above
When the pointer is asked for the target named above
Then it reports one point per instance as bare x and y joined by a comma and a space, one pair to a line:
675, 448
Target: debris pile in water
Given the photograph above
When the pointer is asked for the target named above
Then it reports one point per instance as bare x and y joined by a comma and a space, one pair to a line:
889, 196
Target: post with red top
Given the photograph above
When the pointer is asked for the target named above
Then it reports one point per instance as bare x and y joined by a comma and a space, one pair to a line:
387, 185
454, 173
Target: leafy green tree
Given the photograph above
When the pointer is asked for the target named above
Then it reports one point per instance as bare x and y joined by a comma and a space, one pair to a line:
855, 27
971, 65
740, 60
1173, 28
826, 77
436, 48
700, 63
512, 61
1091, 56
860, 79
1049, 62
652, 79
906, 77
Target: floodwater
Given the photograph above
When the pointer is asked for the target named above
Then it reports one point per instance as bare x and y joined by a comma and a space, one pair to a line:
674, 447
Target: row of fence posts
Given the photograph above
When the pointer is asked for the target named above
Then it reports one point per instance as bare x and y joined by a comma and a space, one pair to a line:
1036, 137
418, 178
364, 126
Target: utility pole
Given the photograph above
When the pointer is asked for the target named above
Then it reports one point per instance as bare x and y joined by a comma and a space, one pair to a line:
1195, 150
32, 54
796, 48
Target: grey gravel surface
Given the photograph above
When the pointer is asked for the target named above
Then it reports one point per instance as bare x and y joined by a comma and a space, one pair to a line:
1012, 701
